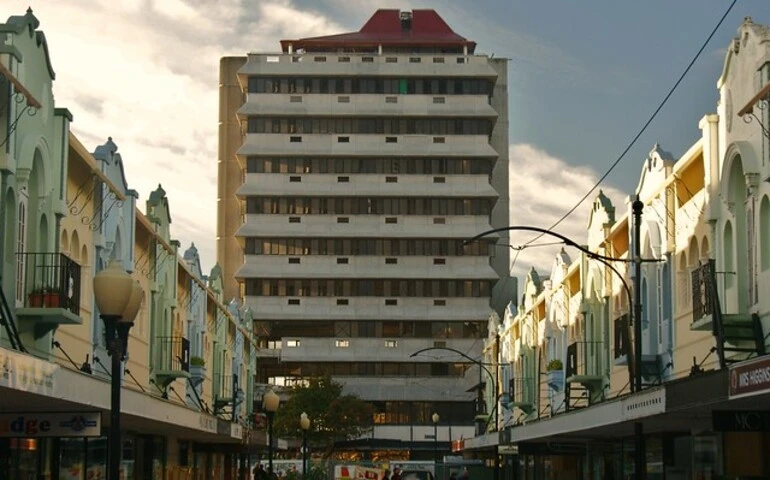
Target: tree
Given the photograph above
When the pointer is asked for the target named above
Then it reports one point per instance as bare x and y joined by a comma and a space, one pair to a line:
333, 416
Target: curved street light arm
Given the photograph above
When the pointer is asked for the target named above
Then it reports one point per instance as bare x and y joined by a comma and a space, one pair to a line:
458, 352
561, 237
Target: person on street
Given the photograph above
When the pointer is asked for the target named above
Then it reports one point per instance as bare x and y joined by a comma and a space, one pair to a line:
259, 472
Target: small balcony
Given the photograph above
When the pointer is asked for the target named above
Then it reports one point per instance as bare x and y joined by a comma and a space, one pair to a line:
197, 370
703, 301
622, 340
585, 364
226, 392
522, 394
51, 282
172, 360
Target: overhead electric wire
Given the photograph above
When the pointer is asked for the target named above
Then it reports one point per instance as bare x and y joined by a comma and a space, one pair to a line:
647, 124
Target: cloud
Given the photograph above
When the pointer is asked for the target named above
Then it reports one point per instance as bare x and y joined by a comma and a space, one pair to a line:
543, 188
146, 73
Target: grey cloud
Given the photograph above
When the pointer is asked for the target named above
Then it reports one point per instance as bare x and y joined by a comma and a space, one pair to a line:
90, 103
165, 144
544, 188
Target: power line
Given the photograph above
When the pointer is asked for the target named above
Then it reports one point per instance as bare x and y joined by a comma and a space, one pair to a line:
647, 124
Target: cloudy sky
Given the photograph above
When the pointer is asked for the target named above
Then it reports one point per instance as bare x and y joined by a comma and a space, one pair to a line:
584, 77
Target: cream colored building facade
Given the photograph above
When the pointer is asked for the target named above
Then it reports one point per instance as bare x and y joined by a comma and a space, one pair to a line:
568, 351
187, 384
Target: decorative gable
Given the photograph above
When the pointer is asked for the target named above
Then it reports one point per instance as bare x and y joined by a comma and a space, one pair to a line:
158, 212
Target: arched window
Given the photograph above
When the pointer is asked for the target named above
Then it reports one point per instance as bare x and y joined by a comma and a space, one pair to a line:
764, 233
64, 241
728, 255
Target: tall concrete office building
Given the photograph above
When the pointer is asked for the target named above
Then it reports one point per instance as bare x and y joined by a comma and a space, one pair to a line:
351, 169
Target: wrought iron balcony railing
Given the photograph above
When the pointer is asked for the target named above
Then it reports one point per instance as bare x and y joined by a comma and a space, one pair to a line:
173, 355
703, 281
585, 359
49, 281
522, 391
224, 385
622, 343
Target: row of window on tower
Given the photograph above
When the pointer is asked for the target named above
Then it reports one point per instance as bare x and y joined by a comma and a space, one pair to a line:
421, 413
374, 329
368, 206
366, 246
366, 369
395, 165
371, 85
285, 287
361, 125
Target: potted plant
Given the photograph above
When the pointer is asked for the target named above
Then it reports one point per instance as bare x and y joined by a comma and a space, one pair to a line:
47, 297
197, 368
555, 372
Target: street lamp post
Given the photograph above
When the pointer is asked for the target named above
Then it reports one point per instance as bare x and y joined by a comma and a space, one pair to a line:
304, 423
435, 419
270, 402
118, 298
640, 467
492, 378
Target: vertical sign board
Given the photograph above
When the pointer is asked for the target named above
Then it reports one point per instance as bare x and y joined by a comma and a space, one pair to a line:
749, 378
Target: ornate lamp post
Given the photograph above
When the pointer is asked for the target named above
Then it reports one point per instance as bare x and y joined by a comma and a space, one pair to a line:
304, 424
118, 298
435, 419
270, 402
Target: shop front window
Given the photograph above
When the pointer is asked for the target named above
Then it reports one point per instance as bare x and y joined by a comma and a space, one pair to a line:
72, 459
23, 458
96, 454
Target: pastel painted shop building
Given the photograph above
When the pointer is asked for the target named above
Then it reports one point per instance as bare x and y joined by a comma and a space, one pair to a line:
568, 358
67, 212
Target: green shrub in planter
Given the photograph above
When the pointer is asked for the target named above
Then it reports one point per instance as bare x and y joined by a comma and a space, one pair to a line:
197, 361
554, 364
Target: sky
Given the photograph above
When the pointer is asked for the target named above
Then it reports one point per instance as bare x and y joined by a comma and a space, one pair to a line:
583, 79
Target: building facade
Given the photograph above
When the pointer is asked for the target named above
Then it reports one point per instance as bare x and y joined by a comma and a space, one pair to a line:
351, 168
66, 213
576, 410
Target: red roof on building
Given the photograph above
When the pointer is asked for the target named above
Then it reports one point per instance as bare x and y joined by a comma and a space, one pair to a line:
427, 29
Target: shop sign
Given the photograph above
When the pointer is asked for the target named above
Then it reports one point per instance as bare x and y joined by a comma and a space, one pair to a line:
748, 378
236, 430
62, 424
644, 404
208, 423
741, 420
26, 373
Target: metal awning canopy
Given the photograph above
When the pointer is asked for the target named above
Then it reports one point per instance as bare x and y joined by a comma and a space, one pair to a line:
31, 101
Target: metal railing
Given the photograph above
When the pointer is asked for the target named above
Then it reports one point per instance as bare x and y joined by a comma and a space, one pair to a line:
173, 354
50, 280
703, 280
622, 338
522, 390
585, 358
225, 385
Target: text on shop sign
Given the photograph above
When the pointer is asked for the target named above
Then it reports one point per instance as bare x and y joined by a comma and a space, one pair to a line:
30, 425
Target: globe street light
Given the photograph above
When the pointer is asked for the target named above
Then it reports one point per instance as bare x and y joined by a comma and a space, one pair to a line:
118, 299
270, 402
435, 419
304, 424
